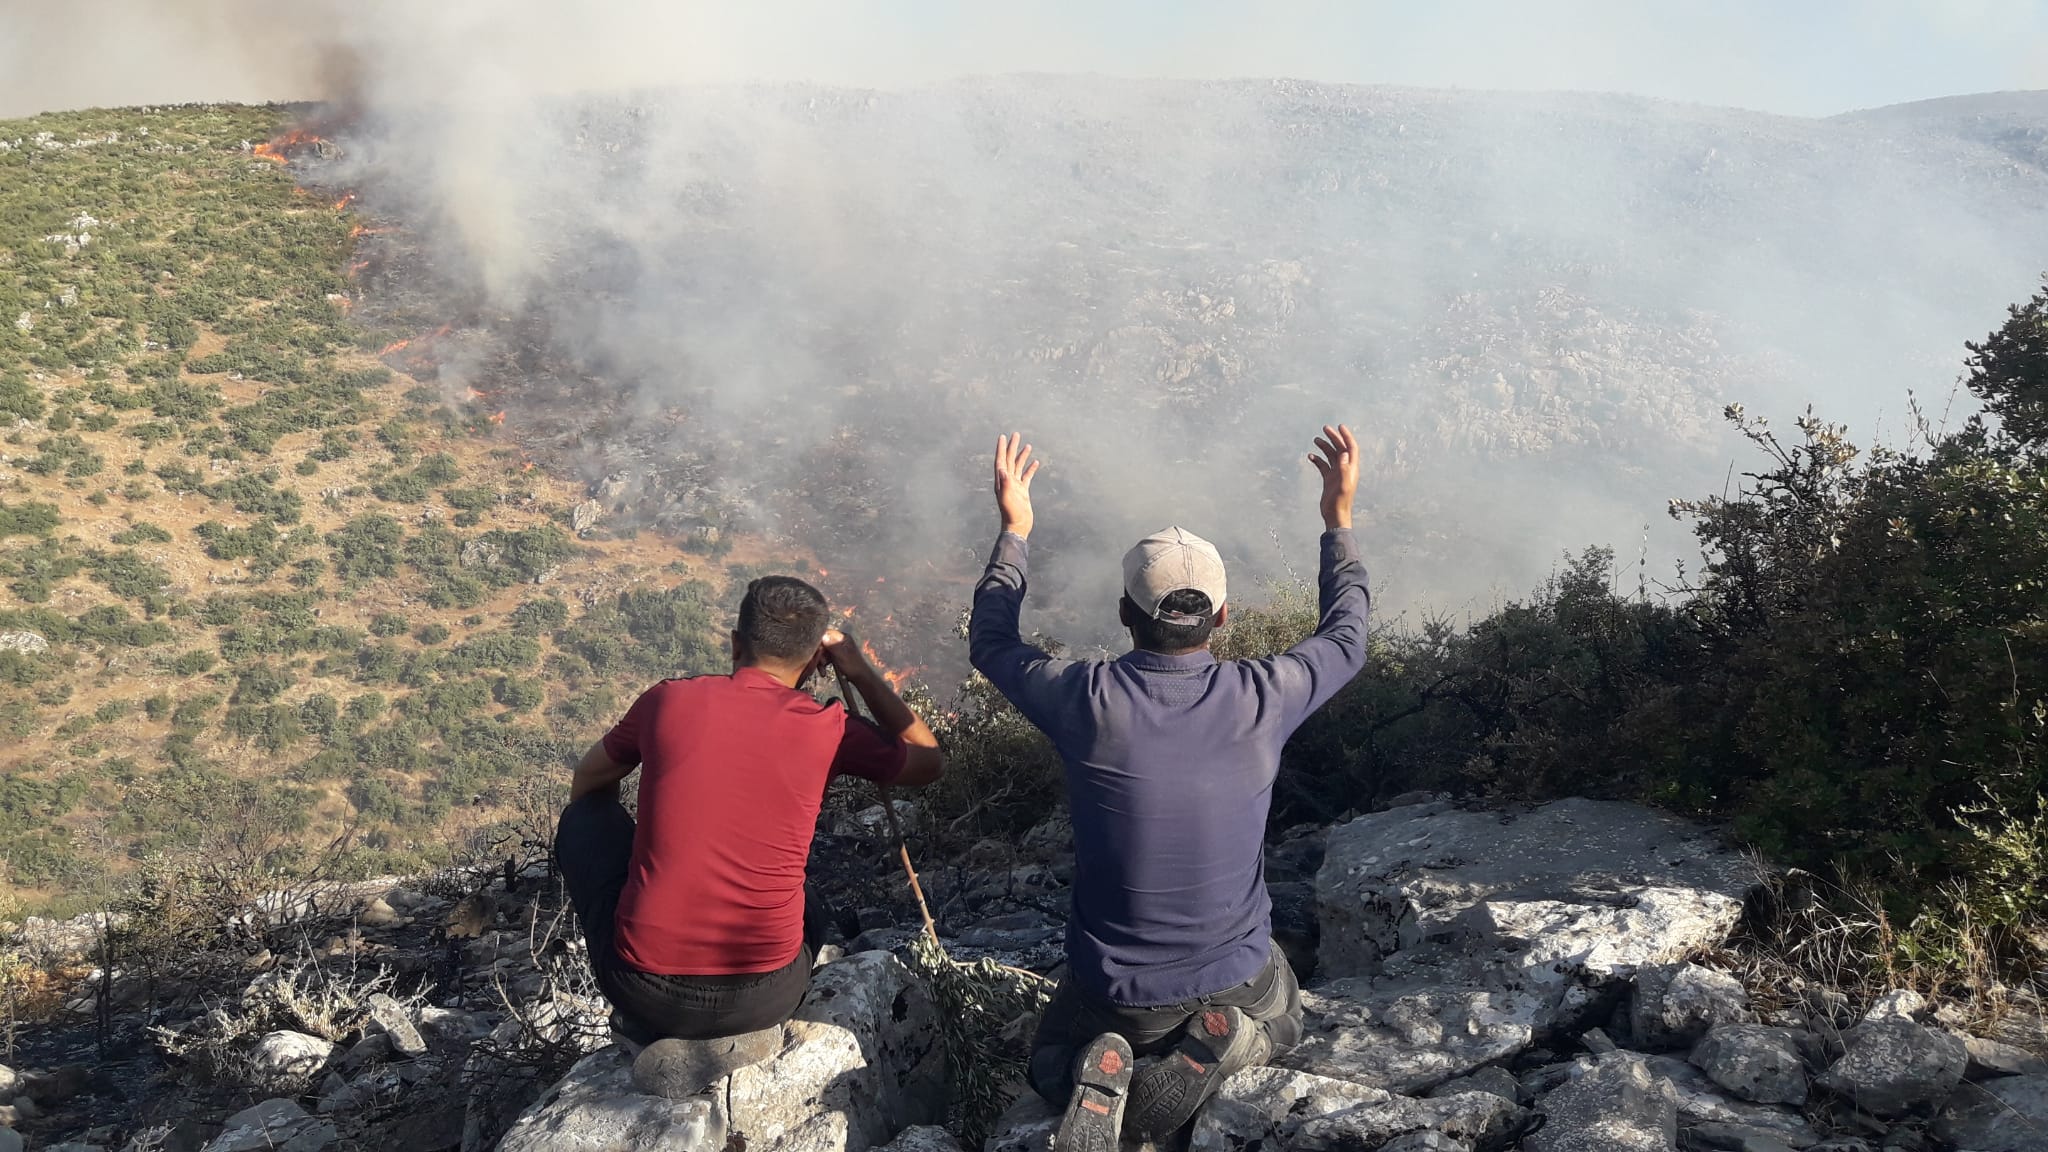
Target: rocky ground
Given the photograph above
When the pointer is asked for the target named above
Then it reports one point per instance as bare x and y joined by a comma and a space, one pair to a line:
1555, 980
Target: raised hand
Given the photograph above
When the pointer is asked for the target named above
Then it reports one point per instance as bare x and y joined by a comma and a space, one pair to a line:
844, 654
1338, 462
1014, 470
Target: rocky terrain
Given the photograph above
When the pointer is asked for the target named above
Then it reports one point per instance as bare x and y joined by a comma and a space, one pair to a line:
1568, 978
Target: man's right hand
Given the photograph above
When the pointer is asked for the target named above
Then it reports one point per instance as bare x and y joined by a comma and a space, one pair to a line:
1014, 470
844, 654
1338, 463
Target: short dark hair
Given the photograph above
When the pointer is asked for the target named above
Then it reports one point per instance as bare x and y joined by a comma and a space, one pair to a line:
1155, 635
782, 619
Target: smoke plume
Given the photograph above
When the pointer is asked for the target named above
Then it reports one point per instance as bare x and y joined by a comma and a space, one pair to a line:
807, 309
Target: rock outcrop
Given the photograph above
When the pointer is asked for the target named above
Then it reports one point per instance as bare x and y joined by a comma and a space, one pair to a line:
860, 1062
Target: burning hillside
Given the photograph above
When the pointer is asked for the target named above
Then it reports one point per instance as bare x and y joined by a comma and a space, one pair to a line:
800, 313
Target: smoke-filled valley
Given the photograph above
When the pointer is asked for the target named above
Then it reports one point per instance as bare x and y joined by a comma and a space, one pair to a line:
807, 311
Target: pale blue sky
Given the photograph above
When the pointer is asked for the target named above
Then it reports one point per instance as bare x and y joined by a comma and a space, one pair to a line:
1805, 57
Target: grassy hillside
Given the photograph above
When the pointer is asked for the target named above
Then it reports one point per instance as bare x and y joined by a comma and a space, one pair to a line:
255, 585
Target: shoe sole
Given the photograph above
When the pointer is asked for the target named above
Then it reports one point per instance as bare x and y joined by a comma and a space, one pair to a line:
1095, 1115
1165, 1097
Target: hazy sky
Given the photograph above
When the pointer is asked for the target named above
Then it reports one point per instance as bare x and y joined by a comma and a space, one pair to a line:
1805, 57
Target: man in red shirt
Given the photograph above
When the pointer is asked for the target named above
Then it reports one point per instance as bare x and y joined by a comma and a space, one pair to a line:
695, 915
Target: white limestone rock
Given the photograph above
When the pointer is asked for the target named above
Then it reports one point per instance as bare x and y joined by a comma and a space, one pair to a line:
860, 1062
1614, 1105
1672, 1007
1279, 1107
2005, 1115
1893, 1066
1573, 893
286, 1058
1410, 1040
1757, 1062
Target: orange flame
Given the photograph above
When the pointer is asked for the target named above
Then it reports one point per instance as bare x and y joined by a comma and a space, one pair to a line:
347, 199
895, 679
401, 345
274, 149
526, 467
498, 417
822, 573
357, 267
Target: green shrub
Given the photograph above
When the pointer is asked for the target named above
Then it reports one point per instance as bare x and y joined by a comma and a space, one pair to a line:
30, 518
142, 532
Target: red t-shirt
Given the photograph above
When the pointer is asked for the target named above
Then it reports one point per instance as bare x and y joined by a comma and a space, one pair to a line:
734, 772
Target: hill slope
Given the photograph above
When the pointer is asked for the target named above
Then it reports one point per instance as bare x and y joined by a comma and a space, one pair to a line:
253, 582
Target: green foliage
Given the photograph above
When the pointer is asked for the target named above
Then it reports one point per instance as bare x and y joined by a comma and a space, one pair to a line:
19, 398
127, 575
29, 518
431, 634
413, 487
366, 548
142, 532
256, 494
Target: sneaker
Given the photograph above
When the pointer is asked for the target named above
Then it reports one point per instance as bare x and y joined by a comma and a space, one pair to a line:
1219, 1041
676, 1069
1102, 1079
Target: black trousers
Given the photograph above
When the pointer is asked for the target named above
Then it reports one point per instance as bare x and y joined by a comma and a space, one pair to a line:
593, 846
1073, 1019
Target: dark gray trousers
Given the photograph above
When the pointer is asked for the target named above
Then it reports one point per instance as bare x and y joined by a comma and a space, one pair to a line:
1073, 1019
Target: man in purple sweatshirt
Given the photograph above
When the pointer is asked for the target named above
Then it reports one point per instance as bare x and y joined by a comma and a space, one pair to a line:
1170, 758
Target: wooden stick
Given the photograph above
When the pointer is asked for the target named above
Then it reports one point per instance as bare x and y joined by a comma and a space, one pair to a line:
931, 930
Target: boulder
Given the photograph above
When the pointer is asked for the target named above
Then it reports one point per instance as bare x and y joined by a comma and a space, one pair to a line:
1027, 1125
1409, 1040
1989, 1058
1497, 1080
861, 1061
285, 1058
1614, 1105
57, 1085
1672, 1007
453, 1027
1425, 1142
389, 1018
1893, 1066
1898, 1004
923, 1138
274, 1126
1730, 1138
1571, 893
1754, 1061
2004, 1115
1281, 1108
1701, 1102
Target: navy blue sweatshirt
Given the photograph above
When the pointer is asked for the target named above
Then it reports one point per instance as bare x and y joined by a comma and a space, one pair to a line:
1170, 763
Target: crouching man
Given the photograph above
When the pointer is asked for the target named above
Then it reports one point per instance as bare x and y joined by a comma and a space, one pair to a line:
1170, 759
699, 931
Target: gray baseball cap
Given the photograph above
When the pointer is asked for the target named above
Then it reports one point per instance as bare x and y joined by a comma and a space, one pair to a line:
1167, 562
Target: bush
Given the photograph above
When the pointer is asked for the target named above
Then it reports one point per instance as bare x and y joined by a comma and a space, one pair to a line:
366, 548
30, 518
